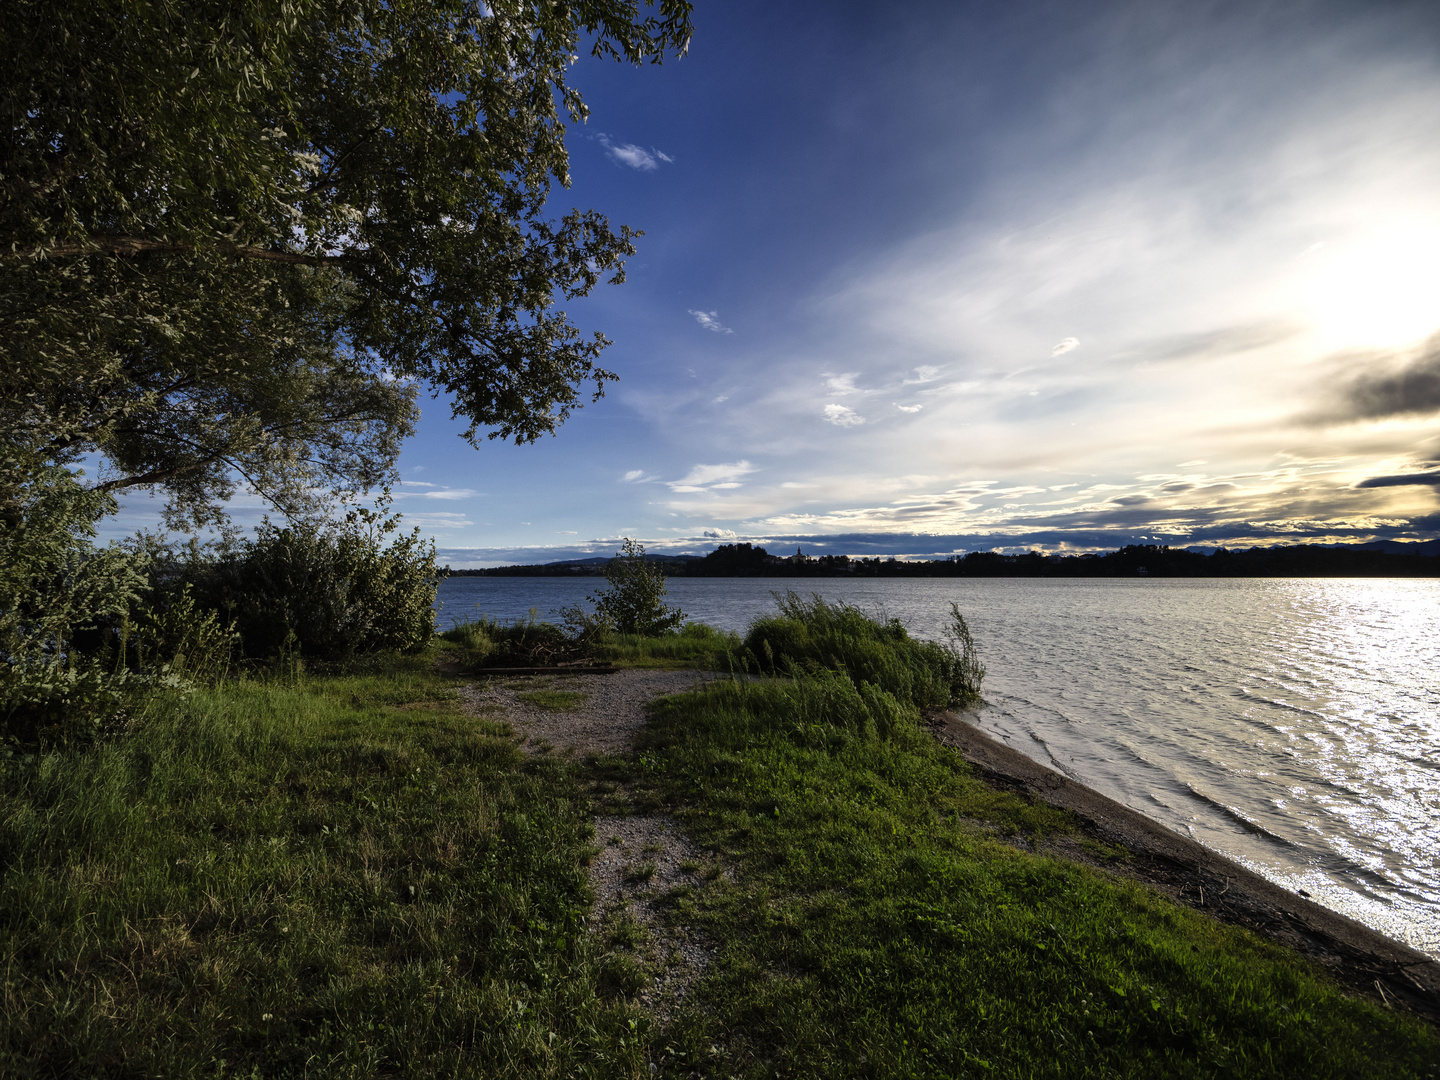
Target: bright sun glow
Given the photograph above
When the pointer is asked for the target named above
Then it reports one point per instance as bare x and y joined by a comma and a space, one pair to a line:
1381, 291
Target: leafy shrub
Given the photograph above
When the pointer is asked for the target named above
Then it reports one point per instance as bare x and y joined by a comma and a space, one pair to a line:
328, 591
633, 604
171, 634
813, 635
55, 585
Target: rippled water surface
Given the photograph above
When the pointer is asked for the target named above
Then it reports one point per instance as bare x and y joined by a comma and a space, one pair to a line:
1291, 724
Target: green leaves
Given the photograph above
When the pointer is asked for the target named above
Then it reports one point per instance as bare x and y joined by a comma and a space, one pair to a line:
236, 239
53, 584
330, 591
633, 603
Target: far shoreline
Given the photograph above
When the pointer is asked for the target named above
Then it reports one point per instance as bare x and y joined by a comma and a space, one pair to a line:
1381, 559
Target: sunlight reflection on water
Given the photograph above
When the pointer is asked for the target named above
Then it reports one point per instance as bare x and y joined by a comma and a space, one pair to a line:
1292, 724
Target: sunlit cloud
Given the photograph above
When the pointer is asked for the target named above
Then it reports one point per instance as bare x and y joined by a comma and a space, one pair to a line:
1212, 324
706, 477
842, 416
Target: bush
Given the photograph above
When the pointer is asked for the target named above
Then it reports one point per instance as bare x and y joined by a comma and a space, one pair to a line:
55, 585
328, 591
631, 605
813, 635
172, 635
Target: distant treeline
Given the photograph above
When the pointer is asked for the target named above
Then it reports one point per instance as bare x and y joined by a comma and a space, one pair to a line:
1133, 560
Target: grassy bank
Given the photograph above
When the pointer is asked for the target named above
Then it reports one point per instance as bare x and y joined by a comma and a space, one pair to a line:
883, 919
343, 877
350, 875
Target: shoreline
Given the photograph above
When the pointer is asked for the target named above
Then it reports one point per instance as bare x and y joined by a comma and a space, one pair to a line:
1359, 958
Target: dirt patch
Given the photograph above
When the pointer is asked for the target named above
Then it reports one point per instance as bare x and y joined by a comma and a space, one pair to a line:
1359, 958
644, 864
607, 721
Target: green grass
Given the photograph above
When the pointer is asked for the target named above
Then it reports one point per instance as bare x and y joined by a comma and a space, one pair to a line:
694, 646
875, 924
489, 642
810, 635
344, 877
348, 876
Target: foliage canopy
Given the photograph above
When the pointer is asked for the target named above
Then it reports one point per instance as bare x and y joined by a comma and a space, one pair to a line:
238, 238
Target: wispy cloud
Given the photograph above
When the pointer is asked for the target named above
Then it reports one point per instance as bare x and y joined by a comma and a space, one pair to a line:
712, 477
1068, 345
636, 157
710, 320
437, 522
432, 491
842, 416
909, 408
841, 384
923, 374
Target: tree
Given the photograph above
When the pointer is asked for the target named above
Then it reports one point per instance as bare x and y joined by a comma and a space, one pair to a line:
237, 237
633, 603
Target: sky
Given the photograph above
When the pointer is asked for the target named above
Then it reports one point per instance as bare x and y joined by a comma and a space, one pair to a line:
931, 278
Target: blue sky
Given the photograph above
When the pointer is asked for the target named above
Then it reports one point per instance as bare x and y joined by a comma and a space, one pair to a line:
940, 277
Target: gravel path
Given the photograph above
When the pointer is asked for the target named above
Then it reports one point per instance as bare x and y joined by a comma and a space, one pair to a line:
642, 858
606, 721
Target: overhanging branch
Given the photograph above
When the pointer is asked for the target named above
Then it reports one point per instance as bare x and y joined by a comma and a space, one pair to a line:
131, 246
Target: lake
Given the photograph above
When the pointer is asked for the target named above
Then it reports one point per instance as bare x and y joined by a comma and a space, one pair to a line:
1291, 724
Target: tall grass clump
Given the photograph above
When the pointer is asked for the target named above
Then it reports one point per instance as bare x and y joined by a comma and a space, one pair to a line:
491, 642
811, 635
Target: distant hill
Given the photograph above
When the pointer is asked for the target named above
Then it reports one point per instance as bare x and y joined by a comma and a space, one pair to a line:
1400, 547
1380, 558
592, 567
